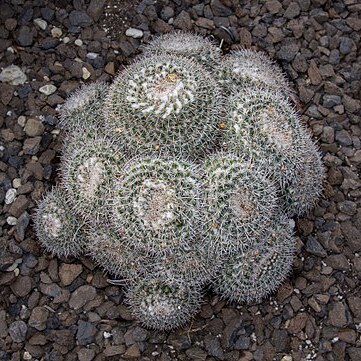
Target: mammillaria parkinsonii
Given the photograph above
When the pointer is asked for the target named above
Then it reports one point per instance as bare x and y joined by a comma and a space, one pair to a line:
184, 172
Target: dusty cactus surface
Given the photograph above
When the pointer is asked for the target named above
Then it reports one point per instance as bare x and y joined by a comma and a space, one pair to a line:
186, 171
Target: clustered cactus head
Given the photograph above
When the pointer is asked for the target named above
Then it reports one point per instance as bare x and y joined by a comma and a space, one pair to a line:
156, 204
164, 103
303, 190
88, 171
246, 69
163, 303
184, 172
188, 45
84, 108
262, 124
109, 251
56, 225
241, 201
260, 267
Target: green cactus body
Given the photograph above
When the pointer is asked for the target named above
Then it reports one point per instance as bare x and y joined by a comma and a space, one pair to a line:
240, 202
260, 268
57, 227
88, 168
109, 250
189, 45
264, 126
163, 304
305, 188
156, 204
196, 265
182, 172
246, 69
84, 108
164, 103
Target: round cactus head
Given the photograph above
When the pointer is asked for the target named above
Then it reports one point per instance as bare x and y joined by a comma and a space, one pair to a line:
196, 265
109, 250
305, 188
166, 104
184, 170
263, 125
260, 268
185, 44
247, 69
56, 226
156, 204
163, 304
84, 108
240, 202
88, 168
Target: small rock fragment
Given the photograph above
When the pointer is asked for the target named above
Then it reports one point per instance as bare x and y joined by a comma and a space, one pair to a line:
81, 296
134, 33
11, 221
38, 318
41, 23
22, 224
13, 75
10, 196
69, 272
95, 9
79, 18
56, 32
34, 127
86, 332
48, 89
315, 247
18, 330
86, 73
25, 36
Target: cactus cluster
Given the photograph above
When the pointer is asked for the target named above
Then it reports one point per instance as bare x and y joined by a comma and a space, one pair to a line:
184, 172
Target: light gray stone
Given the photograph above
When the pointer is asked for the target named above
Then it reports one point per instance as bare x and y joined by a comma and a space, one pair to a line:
134, 33
13, 75
48, 89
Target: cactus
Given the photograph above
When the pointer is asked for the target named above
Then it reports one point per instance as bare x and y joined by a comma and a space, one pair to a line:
261, 266
263, 125
164, 103
181, 173
246, 69
240, 202
189, 45
88, 172
109, 250
84, 108
156, 204
57, 228
305, 188
162, 303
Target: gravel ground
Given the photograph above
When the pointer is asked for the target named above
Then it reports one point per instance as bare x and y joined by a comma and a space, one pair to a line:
63, 309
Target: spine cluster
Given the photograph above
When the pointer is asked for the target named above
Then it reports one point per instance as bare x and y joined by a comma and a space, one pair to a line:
184, 172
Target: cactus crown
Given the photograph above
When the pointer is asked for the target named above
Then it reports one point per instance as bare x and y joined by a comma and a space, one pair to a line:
182, 172
56, 225
188, 45
248, 69
84, 108
156, 203
163, 304
164, 103
240, 201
